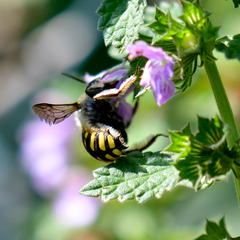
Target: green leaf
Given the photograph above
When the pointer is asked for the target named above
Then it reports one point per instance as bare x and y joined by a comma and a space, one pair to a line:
135, 176
188, 71
180, 142
160, 26
229, 45
189, 40
120, 21
236, 3
187, 31
223, 227
167, 46
215, 231
193, 13
205, 157
164, 26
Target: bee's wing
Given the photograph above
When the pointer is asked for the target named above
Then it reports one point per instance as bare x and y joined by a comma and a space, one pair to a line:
54, 113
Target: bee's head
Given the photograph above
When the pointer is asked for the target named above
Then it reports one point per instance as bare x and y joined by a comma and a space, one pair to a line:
94, 87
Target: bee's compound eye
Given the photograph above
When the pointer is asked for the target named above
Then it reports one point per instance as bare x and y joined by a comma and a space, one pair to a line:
94, 87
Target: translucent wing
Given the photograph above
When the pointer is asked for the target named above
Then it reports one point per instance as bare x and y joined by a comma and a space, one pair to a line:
53, 114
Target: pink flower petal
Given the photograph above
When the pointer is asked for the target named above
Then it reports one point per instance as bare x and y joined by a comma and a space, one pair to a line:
141, 48
158, 70
167, 89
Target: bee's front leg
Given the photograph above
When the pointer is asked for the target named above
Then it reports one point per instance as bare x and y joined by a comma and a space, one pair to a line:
117, 92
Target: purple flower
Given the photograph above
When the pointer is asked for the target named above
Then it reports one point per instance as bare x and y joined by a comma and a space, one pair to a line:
157, 72
44, 153
71, 208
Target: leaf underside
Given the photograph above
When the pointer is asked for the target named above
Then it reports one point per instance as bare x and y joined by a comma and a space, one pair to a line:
120, 21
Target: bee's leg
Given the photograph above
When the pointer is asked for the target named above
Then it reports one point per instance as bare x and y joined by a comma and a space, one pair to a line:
135, 106
117, 92
134, 110
146, 144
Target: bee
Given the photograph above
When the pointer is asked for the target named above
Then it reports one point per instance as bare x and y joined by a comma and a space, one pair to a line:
103, 113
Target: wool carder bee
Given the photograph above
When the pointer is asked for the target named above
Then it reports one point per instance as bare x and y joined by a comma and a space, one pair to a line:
103, 112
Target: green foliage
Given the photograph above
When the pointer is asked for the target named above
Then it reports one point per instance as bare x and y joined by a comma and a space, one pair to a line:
188, 72
215, 231
229, 45
164, 26
205, 157
160, 26
120, 21
186, 30
236, 3
191, 33
135, 176
198, 159
193, 15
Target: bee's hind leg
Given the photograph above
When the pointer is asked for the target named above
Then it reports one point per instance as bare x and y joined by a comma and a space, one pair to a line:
144, 145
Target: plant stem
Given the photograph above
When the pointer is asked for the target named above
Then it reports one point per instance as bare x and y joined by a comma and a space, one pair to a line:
225, 112
222, 101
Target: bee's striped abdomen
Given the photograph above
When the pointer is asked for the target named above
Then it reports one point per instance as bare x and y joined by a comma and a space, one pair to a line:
103, 146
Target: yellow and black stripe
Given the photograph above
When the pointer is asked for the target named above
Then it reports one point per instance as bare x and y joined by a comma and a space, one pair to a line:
103, 146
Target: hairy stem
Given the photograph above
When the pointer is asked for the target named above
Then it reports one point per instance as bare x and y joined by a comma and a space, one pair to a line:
225, 112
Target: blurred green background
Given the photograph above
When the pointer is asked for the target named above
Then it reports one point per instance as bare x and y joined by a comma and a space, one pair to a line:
42, 168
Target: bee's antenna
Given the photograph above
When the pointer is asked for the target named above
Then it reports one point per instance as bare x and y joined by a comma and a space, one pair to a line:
73, 77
